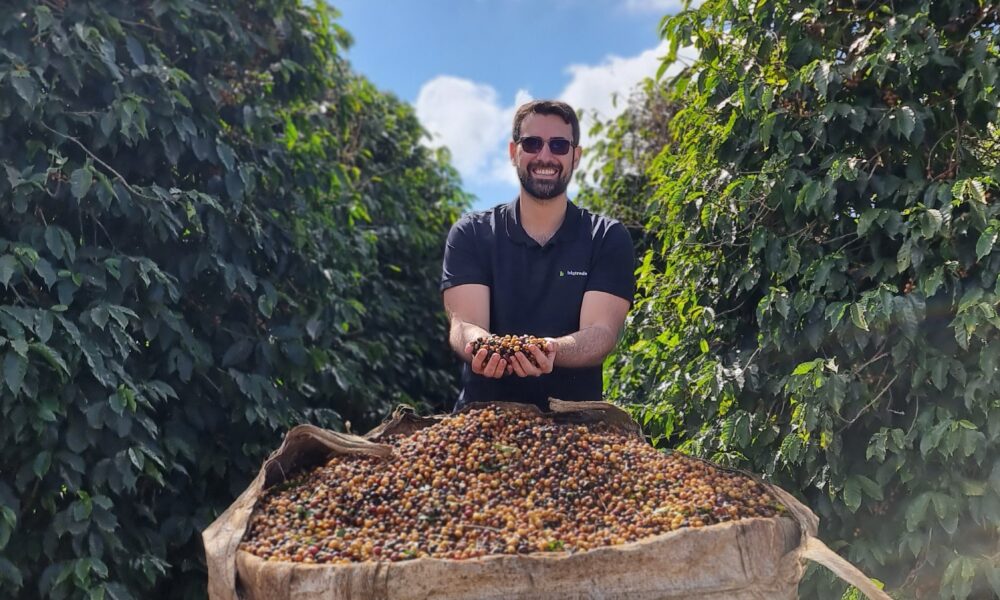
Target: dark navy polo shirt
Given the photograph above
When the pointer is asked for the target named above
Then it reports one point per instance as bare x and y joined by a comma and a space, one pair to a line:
537, 290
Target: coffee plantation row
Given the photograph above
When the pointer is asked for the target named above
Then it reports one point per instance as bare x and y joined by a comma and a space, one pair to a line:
211, 229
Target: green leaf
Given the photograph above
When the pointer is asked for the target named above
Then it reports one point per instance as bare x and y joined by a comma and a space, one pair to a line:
265, 304
971, 487
766, 127
20, 346
98, 567
970, 298
939, 374
225, 155
822, 78
835, 312
234, 186
137, 458
994, 479
993, 577
743, 432
946, 510
916, 511
852, 494
986, 240
725, 434
8, 266
870, 488
46, 272
791, 448
930, 222
313, 326
80, 182
26, 87
969, 189
76, 435
804, 368
82, 569
9, 517
905, 256
54, 241
932, 438
858, 317
866, 220
9, 572
135, 51
51, 356
40, 466
107, 123
13, 175
117, 401
99, 315
907, 121
15, 366
95, 360
930, 284
237, 353
876, 447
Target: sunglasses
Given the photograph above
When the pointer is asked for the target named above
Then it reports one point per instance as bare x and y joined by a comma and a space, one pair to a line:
534, 144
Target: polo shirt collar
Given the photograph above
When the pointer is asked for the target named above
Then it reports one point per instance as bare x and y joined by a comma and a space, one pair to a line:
515, 231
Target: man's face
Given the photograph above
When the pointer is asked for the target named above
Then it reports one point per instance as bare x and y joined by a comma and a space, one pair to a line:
543, 174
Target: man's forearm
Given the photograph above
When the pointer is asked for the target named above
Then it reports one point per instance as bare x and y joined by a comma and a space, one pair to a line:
585, 348
461, 334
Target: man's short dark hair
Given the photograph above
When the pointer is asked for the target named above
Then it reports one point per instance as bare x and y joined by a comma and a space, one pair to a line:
547, 107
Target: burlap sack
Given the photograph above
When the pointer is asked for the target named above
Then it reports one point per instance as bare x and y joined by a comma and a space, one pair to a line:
751, 559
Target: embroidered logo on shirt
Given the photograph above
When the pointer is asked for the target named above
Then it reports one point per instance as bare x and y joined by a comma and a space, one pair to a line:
573, 273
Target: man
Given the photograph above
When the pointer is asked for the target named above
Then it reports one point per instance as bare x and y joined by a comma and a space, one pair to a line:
539, 266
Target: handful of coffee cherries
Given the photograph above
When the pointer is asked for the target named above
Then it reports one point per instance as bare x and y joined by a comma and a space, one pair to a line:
507, 345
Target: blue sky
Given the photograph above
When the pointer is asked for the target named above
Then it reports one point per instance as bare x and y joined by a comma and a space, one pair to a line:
466, 64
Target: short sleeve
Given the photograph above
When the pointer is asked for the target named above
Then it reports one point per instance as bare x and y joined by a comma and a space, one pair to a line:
613, 265
464, 262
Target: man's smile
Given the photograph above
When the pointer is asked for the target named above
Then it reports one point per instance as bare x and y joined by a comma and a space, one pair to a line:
544, 171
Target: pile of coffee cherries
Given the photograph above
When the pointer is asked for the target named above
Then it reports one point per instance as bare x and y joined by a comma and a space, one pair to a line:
495, 481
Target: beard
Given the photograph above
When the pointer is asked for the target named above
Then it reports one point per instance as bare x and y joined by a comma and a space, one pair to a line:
544, 189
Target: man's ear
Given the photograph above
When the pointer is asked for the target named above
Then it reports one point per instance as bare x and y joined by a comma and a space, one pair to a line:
512, 151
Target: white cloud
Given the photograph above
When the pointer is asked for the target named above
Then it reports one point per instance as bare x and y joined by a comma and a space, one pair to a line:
603, 90
464, 116
473, 122
594, 88
469, 119
500, 170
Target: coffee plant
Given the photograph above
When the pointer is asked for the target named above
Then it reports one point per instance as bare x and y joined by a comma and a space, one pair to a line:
211, 229
819, 301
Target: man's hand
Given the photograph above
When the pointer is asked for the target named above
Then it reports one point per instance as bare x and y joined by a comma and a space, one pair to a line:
495, 368
545, 359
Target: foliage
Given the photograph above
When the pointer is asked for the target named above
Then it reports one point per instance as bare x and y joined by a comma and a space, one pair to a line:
204, 218
619, 160
820, 301
399, 201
